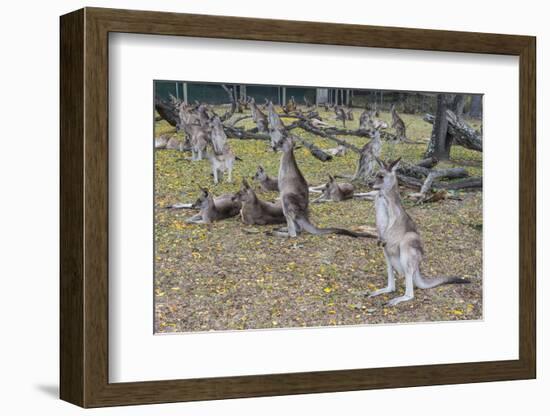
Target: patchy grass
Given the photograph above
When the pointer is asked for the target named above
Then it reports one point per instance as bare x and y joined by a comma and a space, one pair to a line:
219, 277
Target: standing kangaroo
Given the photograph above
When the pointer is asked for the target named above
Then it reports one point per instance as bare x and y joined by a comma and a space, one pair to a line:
400, 238
367, 159
256, 211
267, 183
259, 118
222, 158
199, 140
398, 124
333, 191
214, 209
294, 195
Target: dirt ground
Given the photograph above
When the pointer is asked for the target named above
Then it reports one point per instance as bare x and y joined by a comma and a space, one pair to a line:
230, 276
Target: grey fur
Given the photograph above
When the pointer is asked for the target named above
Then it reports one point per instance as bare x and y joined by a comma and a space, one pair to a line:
214, 209
294, 195
336, 192
267, 183
400, 238
256, 211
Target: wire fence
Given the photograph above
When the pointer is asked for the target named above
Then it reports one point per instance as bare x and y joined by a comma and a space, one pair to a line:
215, 94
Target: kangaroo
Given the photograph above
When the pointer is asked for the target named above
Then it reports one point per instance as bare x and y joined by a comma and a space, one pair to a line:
333, 191
214, 209
186, 116
222, 158
337, 151
398, 124
161, 141
222, 163
204, 118
198, 139
340, 115
294, 194
259, 118
267, 183
256, 211
291, 105
276, 126
365, 121
400, 238
367, 159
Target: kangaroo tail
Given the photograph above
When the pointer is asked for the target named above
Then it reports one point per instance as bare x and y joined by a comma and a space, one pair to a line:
422, 283
312, 229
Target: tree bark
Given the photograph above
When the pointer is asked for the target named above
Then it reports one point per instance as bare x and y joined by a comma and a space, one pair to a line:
476, 106
461, 133
458, 105
440, 141
167, 111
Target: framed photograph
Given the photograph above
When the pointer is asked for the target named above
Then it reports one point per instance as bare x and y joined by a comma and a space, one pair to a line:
255, 207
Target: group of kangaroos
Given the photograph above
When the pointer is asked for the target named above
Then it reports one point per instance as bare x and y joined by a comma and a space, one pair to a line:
397, 233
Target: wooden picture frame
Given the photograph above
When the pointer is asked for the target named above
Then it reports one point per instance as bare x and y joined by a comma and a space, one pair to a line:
84, 207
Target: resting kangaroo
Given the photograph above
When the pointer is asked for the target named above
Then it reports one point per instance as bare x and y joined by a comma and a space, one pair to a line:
267, 183
214, 209
333, 191
294, 195
400, 238
256, 211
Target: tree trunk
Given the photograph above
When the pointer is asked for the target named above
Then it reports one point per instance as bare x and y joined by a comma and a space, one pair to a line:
458, 105
167, 112
476, 106
440, 142
461, 133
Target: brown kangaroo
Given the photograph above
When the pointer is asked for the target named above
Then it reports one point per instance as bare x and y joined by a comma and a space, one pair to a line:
267, 183
214, 209
256, 211
259, 118
294, 194
398, 124
333, 191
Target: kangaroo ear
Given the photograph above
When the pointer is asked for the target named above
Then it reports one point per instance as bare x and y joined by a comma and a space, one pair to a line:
260, 168
380, 163
330, 178
394, 165
204, 191
245, 184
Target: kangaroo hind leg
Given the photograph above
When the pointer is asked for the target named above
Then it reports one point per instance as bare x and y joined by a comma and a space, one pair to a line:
410, 261
391, 279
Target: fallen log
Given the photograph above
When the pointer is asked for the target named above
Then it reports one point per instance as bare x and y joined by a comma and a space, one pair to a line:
428, 163
167, 111
463, 134
314, 150
420, 172
466, 183
308, 127
361, 133
237, 133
